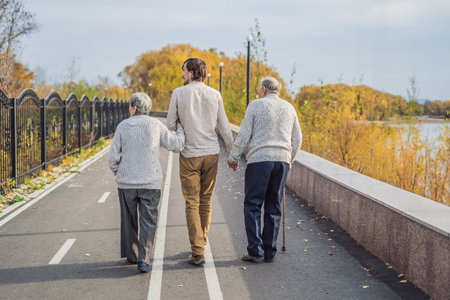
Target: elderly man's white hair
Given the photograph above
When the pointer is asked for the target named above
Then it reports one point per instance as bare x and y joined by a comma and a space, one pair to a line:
271, 84
142, 102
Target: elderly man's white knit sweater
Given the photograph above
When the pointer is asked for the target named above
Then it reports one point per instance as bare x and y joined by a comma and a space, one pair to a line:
134, 152
271, 130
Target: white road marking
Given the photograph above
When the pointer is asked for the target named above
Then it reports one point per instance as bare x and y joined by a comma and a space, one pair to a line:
63, 251
154, 291
212, 281
103, 198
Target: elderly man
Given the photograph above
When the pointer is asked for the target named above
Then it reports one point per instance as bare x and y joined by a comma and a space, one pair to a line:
271, 130
134, 159
199, 109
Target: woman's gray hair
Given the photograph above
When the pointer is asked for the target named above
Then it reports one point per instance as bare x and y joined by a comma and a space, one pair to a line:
142, 102
271, 84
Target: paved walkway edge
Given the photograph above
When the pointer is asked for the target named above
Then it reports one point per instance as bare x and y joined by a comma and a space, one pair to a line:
13, 210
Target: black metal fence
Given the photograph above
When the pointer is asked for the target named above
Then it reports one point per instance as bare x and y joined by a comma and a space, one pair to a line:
37, 132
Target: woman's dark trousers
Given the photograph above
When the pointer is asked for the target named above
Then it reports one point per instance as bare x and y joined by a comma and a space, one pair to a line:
136, 240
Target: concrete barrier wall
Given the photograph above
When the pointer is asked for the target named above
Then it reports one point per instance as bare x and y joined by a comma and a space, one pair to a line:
410, 232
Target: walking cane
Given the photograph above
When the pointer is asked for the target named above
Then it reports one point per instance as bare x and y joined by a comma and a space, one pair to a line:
284, 221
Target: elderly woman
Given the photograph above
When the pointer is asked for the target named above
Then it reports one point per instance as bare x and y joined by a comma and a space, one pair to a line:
134, 159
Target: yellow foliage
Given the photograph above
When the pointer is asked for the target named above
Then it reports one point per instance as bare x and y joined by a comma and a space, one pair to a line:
335, 127
163, 69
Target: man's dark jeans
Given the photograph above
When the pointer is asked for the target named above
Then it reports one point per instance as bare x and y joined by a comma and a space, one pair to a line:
264, 183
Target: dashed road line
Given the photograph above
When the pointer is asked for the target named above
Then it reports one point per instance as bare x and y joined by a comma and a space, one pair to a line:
63, 251
154, 291
103, 197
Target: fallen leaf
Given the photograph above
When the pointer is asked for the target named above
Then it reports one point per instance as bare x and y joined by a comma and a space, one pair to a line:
306, 240
332, 230
63, 230
305, 250
243, 268
327, 293
390, 267
366, 286
87, 254
401, 275
180, 285
403, 281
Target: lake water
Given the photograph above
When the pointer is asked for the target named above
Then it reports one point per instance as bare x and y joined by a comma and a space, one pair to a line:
432, 130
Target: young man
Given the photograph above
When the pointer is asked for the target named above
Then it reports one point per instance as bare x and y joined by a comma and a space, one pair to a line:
199, 108
271, 130
134, 159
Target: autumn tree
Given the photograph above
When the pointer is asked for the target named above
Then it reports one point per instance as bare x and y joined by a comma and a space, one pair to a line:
163, 69
15, 23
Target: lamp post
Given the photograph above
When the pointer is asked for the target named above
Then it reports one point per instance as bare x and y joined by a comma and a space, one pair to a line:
150, 89
125, 92
106, 93
209, 76
220, 78
249, 39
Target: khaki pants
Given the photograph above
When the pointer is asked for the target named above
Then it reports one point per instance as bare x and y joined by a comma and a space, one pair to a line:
198, 179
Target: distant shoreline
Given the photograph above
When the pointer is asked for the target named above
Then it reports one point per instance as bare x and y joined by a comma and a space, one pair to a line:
421, 119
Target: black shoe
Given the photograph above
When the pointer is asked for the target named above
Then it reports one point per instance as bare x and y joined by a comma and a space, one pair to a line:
269, 260
143, 267
196, 259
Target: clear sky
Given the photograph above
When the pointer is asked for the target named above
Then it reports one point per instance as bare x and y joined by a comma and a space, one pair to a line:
380, 43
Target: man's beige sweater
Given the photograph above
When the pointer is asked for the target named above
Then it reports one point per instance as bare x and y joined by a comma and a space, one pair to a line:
199, 108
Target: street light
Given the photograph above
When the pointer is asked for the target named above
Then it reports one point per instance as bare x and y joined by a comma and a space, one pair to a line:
249, 39
150, 89
125, 91
209, 76
220, 78
106, 93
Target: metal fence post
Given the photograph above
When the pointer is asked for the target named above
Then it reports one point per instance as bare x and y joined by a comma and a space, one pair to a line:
65, 126
44, 134
79, 126
14, 141
108, 112
100, 127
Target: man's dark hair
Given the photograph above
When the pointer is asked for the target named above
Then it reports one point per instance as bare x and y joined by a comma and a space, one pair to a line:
197, 67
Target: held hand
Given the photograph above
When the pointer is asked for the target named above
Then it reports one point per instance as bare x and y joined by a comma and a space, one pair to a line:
233, 166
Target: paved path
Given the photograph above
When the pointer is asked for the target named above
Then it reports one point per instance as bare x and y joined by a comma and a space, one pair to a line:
66, 246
